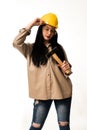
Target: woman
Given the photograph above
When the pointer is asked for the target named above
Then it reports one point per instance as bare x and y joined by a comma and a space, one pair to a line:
48, 80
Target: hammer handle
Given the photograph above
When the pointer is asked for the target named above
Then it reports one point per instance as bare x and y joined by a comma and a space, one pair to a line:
68, 71
57, 58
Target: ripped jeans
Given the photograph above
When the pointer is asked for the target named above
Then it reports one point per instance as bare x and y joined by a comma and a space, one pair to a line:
41, 109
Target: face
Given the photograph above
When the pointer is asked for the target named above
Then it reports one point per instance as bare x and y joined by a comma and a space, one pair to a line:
48, 32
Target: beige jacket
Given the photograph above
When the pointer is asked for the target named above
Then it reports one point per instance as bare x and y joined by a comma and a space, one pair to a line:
47, 81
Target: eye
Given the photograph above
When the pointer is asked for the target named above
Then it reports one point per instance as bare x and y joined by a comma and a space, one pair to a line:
46, 29
52, 31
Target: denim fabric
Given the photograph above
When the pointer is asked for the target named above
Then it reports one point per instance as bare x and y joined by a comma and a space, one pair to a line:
63, 109
32, 128
65, 127
41, 109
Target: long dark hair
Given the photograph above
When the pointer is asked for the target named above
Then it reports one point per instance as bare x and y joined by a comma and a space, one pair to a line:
39, 50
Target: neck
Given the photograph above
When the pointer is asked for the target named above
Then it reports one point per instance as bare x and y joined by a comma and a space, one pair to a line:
47, 44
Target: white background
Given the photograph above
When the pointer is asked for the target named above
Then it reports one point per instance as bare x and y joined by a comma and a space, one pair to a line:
15, 105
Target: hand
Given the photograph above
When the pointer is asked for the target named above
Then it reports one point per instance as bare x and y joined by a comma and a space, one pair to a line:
35, 22
65, 66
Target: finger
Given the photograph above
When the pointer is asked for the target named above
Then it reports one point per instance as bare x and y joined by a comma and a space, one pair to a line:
42, 22
64, 62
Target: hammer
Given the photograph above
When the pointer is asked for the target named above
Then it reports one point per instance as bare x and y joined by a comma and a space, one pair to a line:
51, 52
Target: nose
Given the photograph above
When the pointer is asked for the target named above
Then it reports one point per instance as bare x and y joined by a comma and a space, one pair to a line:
49, 32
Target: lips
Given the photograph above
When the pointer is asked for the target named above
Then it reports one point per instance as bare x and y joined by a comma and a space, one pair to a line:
48, 37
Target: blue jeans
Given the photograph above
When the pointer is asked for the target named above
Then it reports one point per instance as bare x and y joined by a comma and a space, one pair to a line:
41, 109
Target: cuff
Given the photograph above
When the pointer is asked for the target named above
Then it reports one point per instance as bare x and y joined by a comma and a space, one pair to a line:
27, 31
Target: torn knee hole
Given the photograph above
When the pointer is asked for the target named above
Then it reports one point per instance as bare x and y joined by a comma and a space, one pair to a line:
36, 125
65, 123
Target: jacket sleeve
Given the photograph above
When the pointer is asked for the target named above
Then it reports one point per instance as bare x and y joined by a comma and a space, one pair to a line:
19, 40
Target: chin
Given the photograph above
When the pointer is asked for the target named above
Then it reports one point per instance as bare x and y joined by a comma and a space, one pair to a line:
46, 39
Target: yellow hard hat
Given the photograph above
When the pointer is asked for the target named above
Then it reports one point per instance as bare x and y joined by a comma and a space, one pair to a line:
50, 19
